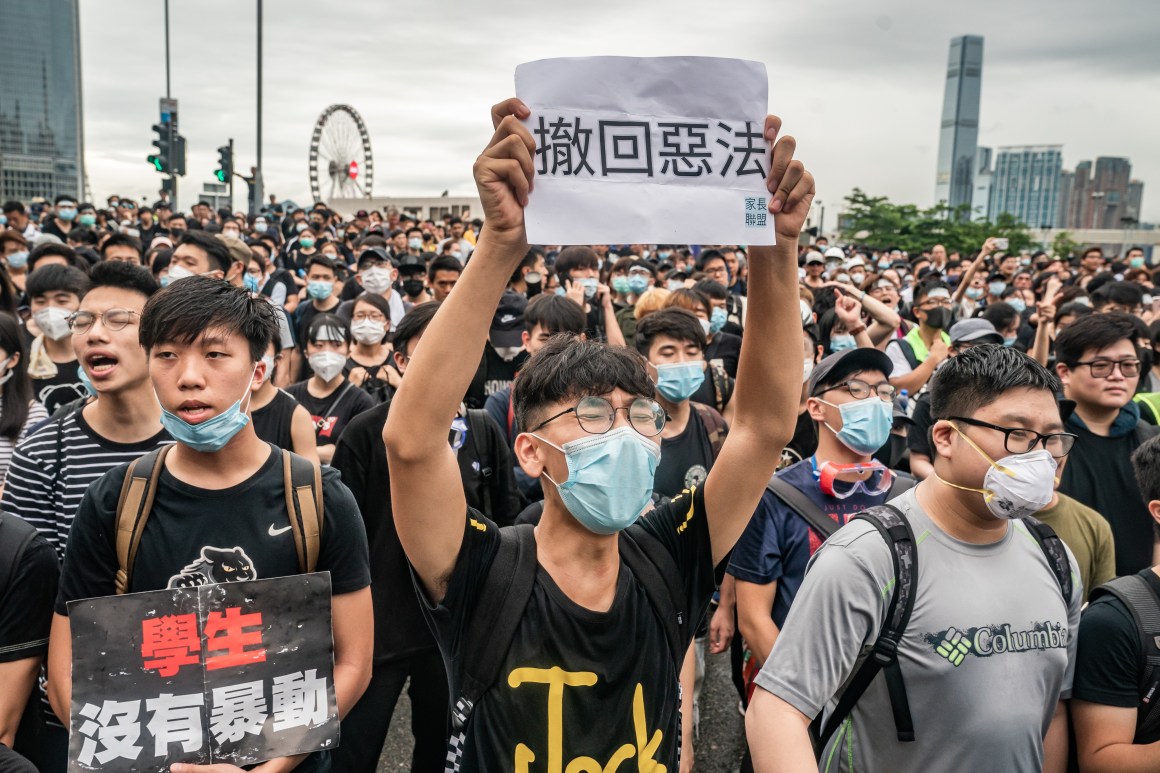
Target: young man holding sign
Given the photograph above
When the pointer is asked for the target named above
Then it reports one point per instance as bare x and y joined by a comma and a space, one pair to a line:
563, 645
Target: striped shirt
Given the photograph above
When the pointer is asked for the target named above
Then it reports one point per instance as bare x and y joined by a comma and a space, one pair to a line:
51, 470
36, 414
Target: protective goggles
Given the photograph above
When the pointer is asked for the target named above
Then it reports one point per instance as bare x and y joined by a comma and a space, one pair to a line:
871, 478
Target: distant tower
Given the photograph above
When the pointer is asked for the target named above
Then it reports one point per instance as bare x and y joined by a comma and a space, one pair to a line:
959, 134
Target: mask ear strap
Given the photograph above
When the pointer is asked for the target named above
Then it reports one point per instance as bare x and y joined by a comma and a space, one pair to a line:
988, 495
1005, 470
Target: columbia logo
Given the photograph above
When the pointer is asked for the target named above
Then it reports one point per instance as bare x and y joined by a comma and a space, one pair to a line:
954, 647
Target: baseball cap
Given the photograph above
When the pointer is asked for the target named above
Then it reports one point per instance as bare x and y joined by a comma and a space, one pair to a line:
507, 325
412, 262
239, 252
857, 260
835, 252
838, 365
976, 331
361, 215
814, 257
373, 255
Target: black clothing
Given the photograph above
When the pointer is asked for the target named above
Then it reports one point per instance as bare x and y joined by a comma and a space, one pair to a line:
361, 457
1108, 654
280, 277
194, 531
273, 421
26, 601
375, 384
494, 373
685, 460
62, 388
803, 444
622, 680
1099, 474
332, 413
303, 315
918, 433
365, 727
725, 350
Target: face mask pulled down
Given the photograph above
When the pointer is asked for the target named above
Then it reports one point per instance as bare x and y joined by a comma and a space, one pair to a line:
1015, 486
210, 435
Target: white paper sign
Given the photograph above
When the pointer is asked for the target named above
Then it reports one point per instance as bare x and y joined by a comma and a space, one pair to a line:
665, 150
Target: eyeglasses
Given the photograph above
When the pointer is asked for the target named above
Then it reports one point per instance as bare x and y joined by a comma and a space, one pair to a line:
113, 319
1023, 441
596, 415
935, 303
644, 272
1104, 368
717, 270
373, 316
860, 390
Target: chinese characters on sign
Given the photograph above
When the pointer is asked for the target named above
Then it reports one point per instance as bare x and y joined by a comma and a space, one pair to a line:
667, 150
238, 673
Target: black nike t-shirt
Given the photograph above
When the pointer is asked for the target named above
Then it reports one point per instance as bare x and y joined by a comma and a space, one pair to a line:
602, 687
198, 536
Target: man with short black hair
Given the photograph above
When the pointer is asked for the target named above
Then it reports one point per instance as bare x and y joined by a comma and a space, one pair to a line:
917, 354
1100, 369
1091, 262
991, 616
17, 219
54, 293
63, 214
1127, 297
442, 274
122, 247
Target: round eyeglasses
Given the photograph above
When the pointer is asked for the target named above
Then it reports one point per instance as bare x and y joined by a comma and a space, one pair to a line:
113, 319
596, 415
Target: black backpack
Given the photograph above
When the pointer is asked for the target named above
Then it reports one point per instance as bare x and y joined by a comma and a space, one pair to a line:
895, 529
499, 609
823, 524
1137, 595
16, 534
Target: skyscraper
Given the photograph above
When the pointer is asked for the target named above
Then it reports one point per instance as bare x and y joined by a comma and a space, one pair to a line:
959, 133
1066, 184
41, 134
1026, 184
1135, 199
984, 179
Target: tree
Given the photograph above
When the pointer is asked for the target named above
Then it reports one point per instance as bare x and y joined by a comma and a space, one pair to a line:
1064, 246
876, 222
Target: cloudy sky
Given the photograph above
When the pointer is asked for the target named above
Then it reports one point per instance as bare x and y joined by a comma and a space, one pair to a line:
859, 84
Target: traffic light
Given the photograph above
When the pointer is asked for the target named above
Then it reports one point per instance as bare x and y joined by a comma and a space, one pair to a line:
225, 169
161, 157
178, 155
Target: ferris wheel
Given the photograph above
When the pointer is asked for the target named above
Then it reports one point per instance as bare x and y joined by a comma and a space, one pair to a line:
341, 165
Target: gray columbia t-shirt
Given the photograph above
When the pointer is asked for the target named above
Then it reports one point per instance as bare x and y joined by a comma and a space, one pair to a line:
988, 654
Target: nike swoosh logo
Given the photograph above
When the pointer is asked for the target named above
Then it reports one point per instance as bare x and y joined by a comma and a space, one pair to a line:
275, 532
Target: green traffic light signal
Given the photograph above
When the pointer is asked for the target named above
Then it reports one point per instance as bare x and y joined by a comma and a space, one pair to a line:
156, 162
220, 175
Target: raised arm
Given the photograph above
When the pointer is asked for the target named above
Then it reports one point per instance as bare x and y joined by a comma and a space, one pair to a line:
426, 487
769, 379
969, 274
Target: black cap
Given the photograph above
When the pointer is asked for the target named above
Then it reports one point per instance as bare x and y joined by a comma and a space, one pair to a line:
837, 366
409, 263
373, 255
507, 326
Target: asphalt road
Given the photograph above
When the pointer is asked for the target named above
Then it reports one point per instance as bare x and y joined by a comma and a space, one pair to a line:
718, 749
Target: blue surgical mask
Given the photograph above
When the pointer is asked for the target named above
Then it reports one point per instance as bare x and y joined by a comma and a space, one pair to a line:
83, 377
676, 284
261, 227
997, 288
1136, 262
252, 283
589, 287
18, 259
1018, 304
305, 242
664, 255
319, 291
865, 424
717, 320
637, 284
88, 220
974, 293
620, 284
677, 381
610, 478
1009, 341
212, 434
841, 343
67, 213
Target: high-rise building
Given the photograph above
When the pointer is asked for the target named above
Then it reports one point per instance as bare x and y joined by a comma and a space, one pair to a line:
1066, 183
41, 130
1026, 184
959, 133
1135, 199
981, 198
1081, 187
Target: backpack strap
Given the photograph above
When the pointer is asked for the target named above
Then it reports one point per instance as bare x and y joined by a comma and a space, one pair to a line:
16, 534
1142, 602
492, 627
722, 386
1054, 551
895, 529
476, 433
302, 481
656, 570
133, 507
823, 524
714, 424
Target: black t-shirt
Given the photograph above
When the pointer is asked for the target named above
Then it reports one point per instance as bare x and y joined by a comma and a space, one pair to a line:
1108, 654
622, 684
1099, 474
304, 314
274, 421
332, 413
918, 433
26, 602
803, 444
725, 349
685, 460
197, 535
61, 389
361, 457
494, 373
280, 278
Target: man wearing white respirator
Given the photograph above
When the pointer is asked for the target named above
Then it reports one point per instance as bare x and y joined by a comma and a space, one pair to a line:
972, 607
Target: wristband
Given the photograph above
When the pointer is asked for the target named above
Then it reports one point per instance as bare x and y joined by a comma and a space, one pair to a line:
857, 330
